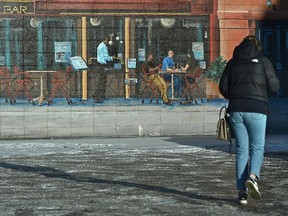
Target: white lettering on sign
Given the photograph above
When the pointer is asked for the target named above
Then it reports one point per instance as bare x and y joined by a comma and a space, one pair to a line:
15, 9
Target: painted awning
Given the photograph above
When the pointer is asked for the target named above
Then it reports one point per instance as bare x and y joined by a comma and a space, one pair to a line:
126, 7
106, 7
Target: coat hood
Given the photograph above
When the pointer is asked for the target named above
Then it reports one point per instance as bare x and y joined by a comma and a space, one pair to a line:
246, 51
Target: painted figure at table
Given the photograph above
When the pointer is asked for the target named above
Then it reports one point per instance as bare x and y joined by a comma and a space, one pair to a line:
151, 69
190, 66
168, 65
102, 58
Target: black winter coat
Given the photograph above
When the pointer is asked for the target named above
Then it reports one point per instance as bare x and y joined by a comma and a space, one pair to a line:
249, 74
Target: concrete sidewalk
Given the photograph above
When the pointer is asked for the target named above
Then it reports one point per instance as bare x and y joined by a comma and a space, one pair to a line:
135, 176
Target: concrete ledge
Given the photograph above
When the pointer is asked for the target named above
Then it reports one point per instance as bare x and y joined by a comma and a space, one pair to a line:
65, 122
23, 122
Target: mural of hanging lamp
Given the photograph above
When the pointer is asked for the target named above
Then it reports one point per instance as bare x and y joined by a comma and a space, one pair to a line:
95, 21
167, 22
111, 39
116, 36
34, 22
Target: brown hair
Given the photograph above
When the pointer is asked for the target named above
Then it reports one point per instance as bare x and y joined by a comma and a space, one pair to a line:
255, 40
106, 38
149, 53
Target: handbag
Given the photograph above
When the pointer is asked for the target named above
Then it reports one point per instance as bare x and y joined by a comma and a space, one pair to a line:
224, 130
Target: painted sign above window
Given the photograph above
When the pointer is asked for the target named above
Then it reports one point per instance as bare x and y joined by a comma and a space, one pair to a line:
16, 7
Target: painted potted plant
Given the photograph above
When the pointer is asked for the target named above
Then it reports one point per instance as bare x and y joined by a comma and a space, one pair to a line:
213, 74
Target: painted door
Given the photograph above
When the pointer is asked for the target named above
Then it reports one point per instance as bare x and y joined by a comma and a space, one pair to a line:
274, 38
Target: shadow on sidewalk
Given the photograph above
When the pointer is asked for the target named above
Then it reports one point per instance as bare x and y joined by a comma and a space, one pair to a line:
210, 142
206, 142
56, 173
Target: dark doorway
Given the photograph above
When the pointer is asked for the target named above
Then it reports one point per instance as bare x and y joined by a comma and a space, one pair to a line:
274, 38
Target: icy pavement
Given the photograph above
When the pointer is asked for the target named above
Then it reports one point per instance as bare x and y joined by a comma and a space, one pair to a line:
135, 176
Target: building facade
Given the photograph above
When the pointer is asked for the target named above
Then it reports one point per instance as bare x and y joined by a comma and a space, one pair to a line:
44, 34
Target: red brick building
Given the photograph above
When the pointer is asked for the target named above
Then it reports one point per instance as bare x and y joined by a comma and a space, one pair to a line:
267, 19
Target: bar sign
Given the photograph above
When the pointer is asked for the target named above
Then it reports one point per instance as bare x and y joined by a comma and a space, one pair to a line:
16, 7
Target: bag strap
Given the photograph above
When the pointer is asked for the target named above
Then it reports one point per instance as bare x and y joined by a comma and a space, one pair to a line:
224, 109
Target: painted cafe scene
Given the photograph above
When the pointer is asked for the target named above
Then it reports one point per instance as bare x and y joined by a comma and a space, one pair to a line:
152, 51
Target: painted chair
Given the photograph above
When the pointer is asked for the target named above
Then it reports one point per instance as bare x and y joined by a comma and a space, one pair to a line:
191, 84
59, 82
23, 82
5, 81
148, 86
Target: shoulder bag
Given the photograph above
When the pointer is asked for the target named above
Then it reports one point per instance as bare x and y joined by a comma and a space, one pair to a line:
224, 130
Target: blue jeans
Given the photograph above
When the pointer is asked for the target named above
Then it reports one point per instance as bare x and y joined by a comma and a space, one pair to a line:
177, 86
249, 130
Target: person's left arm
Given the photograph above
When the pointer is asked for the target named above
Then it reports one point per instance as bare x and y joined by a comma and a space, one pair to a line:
186, 67
171, 66
271, 78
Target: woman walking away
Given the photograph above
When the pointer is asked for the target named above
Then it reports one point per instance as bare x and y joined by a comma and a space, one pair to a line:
245, 81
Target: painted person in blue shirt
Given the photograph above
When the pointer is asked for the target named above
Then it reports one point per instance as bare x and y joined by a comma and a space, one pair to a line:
168, 65
102, 59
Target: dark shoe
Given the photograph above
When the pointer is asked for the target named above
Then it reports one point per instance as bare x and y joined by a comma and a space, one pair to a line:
186, 102
242, 197
168, 103
99, 100
252, 187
